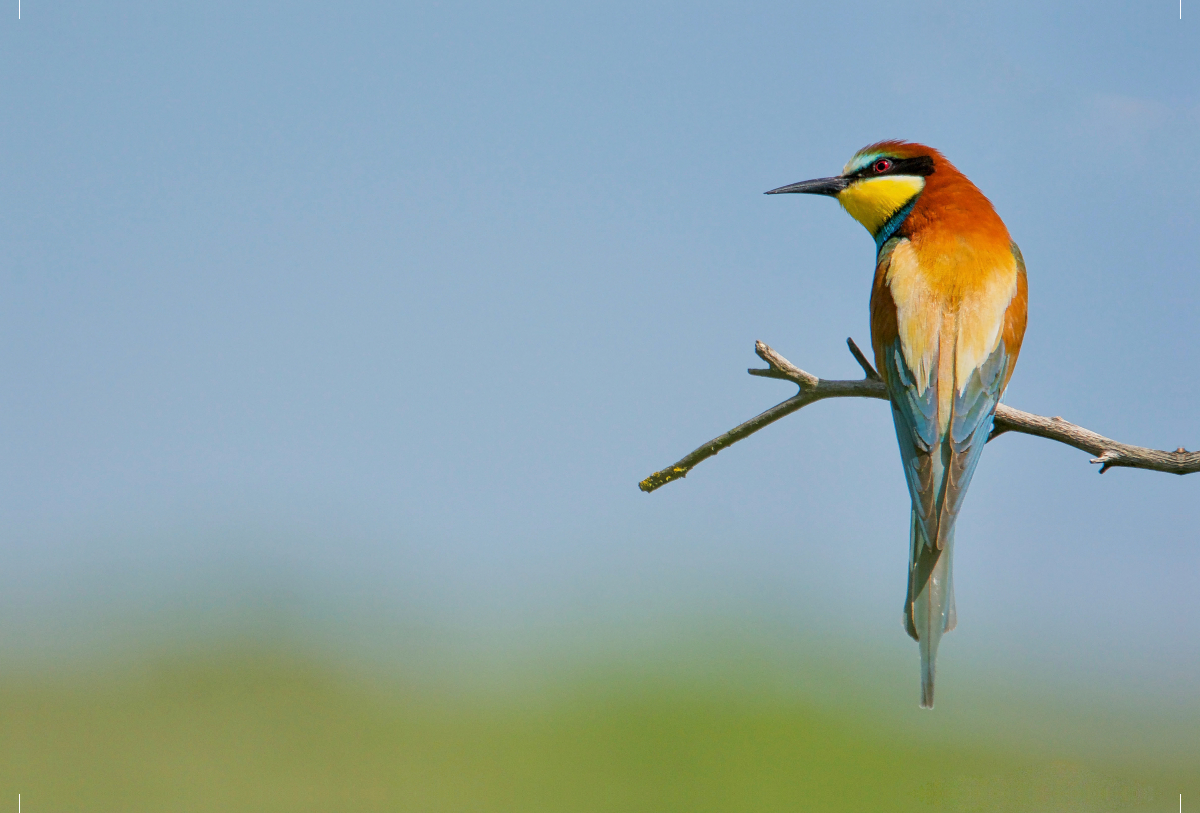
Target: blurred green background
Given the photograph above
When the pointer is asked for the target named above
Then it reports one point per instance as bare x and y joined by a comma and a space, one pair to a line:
692, 722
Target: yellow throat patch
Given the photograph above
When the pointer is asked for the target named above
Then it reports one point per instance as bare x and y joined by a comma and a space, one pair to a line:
872, 201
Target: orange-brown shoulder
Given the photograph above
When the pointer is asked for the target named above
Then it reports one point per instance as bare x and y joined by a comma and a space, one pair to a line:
884, 325
1015, 315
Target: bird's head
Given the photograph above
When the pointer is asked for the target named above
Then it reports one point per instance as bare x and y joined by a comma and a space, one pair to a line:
879, 186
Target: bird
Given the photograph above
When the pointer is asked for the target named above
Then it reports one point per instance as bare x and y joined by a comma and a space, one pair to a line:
948, 312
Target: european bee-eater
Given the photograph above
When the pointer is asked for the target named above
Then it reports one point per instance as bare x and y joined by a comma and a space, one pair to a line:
947, 320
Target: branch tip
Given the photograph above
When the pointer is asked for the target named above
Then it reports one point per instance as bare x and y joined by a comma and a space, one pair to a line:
782, 368
1106, 459
661, 478
862, 360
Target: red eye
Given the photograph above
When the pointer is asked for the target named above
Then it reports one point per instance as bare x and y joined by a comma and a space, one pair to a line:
882, 165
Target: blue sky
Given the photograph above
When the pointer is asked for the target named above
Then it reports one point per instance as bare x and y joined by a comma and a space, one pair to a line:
398, 303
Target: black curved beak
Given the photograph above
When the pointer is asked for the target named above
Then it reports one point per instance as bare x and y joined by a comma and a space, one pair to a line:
820, 186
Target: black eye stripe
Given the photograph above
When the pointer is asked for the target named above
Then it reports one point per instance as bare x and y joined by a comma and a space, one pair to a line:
920, 165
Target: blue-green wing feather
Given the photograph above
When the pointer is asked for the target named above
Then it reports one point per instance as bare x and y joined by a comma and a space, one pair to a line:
970, 425
938, 466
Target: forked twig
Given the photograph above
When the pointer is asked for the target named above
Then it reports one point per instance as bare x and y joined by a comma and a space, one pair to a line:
1108, 453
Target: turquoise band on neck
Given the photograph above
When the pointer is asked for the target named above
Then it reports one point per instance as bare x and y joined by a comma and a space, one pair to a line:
894, 222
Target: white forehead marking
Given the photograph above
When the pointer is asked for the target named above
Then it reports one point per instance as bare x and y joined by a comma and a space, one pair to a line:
860, 161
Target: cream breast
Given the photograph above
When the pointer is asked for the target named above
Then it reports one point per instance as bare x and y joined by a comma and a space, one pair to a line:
951, 299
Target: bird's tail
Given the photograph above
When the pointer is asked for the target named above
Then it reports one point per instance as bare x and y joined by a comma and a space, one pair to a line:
929, 609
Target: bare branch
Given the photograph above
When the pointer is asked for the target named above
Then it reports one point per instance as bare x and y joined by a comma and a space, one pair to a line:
1108, 453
